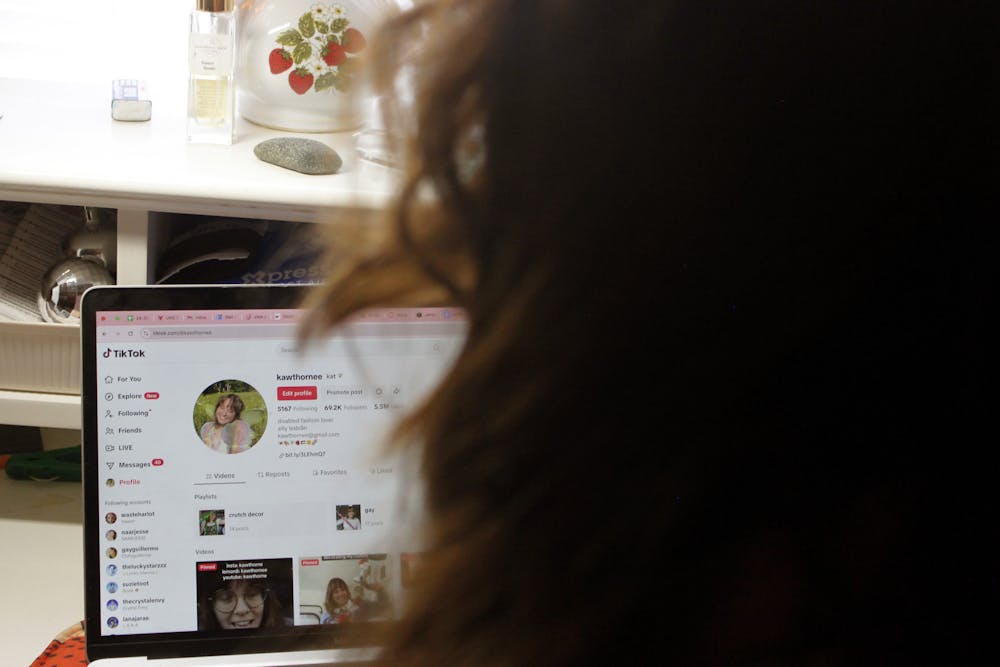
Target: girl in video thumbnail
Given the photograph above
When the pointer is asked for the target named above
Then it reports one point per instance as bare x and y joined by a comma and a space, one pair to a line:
339, 606
228, 433
239, 604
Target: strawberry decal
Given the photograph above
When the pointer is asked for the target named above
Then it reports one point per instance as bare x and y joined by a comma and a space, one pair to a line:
300, 79
279, 60
322, 48
353, 41
334, 54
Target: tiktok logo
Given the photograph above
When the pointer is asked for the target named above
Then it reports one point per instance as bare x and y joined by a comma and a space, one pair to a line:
123, 354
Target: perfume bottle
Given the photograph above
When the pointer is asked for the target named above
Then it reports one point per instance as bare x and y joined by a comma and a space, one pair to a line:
211, 90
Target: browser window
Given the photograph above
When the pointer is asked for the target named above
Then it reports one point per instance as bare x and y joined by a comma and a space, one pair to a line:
244, 482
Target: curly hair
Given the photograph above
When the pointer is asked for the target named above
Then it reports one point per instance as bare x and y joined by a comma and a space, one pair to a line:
697, 243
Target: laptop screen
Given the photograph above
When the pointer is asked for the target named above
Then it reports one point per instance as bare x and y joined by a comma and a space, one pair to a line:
237, 487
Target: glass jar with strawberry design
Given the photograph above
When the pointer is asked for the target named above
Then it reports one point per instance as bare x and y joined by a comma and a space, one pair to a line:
299, 62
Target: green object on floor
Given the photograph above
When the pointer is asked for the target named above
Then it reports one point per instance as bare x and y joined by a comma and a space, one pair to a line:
63, 465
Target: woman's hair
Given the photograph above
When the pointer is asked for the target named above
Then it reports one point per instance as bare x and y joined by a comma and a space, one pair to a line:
711, 254
235, 402
331, 586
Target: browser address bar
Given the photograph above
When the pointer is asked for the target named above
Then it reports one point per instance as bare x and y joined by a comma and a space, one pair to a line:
290, 330
247, 331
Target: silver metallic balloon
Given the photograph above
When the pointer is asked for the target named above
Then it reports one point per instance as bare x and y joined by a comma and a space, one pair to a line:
64, 284
97, 239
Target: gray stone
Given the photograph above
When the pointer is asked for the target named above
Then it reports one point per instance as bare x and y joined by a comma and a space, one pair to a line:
307, 156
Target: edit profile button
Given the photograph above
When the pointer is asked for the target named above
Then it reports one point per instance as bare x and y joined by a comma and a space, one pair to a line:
297, 393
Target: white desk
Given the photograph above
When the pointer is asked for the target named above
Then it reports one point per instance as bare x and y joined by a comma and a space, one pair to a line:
41, 560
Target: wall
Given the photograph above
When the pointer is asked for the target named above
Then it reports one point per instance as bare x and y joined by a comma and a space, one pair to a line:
96, 41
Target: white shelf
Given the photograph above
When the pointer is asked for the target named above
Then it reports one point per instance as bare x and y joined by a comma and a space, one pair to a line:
27, 408
59, 145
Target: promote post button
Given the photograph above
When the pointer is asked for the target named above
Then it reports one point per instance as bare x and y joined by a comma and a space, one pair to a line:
297, 393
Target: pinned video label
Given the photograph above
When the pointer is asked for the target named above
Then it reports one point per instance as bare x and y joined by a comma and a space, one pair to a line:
297, 393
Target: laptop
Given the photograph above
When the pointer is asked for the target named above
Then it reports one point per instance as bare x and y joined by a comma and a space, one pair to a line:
239, 505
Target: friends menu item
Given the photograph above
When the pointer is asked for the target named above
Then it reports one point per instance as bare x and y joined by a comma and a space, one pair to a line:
237, 493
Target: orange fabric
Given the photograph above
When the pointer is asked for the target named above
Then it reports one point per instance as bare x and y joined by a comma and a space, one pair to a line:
68, 649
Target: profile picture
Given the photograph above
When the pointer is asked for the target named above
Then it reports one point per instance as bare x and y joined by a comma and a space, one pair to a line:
112, 587
230, 416
112, 552
112, 570
212, 522
111, 535
110, 517
109, 482
112, 605
348, 517
112, 622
